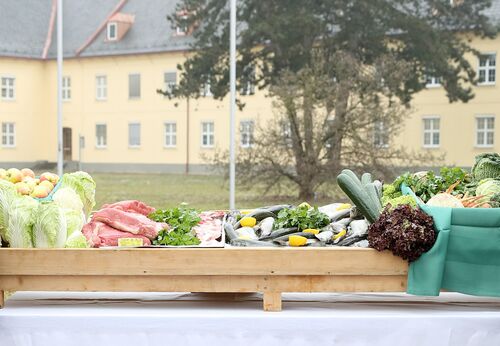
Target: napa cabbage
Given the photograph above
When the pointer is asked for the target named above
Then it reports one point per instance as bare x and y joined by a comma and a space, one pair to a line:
49, 228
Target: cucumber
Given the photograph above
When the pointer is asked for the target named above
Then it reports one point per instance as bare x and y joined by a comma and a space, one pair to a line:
366, 178
353, 176
358, 196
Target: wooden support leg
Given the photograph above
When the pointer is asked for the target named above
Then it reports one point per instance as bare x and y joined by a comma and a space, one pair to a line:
2, 297
272, 301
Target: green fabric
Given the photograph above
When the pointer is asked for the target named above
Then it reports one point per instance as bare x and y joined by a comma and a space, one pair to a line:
466, 255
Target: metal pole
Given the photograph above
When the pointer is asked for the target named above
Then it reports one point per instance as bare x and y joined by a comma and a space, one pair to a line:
232, 127
187, 135
59, 87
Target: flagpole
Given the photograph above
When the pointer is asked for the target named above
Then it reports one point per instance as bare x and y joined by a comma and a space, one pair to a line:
60, 157
232, 127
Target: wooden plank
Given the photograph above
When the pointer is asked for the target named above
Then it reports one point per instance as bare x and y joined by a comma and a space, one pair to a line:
272, 301
203, 283
232, 261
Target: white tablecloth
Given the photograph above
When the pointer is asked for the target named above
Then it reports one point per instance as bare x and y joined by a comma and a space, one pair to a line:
95, 319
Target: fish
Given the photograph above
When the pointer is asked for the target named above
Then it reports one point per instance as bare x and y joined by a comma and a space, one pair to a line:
258, 214
266, 226
230, 233
251, 243
325, 236
280, 232
351, 240
358, 227
246, 233
283, 240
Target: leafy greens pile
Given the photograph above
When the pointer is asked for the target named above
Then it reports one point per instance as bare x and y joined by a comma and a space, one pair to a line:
181, 220
301, 217
407, 232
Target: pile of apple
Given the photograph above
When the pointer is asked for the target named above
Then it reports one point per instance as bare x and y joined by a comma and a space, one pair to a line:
27, 184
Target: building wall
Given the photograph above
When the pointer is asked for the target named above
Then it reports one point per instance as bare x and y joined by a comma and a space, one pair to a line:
34, 112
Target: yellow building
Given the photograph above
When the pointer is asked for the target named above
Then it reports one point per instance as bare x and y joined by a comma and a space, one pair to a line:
117, 53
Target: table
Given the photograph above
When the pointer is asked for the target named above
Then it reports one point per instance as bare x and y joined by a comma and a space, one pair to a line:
74, 318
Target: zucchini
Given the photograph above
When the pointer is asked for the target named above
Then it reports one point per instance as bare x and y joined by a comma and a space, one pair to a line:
371, 189
353, 176
366, 178
358, 196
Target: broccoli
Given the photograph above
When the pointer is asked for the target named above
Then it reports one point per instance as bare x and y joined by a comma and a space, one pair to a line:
394, 202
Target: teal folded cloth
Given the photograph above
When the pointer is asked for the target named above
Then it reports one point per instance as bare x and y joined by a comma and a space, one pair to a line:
466, 255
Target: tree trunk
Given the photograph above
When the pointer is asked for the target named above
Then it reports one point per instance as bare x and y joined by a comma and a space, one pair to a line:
341, 104
306, 192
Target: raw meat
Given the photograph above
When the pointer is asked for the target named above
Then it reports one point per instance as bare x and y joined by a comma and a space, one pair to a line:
129, 222
210, 227
132, 206
99, 234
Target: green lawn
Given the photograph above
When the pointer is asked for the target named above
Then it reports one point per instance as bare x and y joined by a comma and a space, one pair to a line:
200, 191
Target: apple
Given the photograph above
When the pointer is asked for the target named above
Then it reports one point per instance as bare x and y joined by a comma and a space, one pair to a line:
3, 174
40, 192
47, 185
30, 182
26, 172
23, 188
47, 176
14, 175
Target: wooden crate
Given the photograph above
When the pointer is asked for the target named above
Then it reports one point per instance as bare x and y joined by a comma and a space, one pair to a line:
266, 270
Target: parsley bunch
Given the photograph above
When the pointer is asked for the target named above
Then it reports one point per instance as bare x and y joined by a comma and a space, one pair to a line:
301, 217
181, 220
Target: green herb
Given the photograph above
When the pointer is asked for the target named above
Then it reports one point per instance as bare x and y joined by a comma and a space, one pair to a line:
302, 217
181, 220
429, 184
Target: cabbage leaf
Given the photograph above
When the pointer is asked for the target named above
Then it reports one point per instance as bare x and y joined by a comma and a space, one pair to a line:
49, 228
83, 184
21, 219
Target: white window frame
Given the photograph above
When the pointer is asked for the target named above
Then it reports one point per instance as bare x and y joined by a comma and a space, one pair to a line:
182, 31
206, 89
168, 86
101, 90
108, 31
8, 87
133, 146
8, 135
66, 88
432, 82
380, 132
249, 87
140, 91
431, 131
485, 131
249, 135
488, 69
208, 134
171, 134
97, 144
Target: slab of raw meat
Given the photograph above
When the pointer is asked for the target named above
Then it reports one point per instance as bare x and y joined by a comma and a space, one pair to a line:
133, 206
99, 234
129, 222
210, 227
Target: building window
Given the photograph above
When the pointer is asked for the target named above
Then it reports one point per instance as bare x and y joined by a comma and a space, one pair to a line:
207, 134
248, 83
66, 88
182, 29
432, 82
101, 135
485, 131
134, 86
8, 135
246, 133
134, 134
431, 132
170, 134
101, 87
487, 69
170, 81
8, 88
380, 135
206, 89
112, 31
